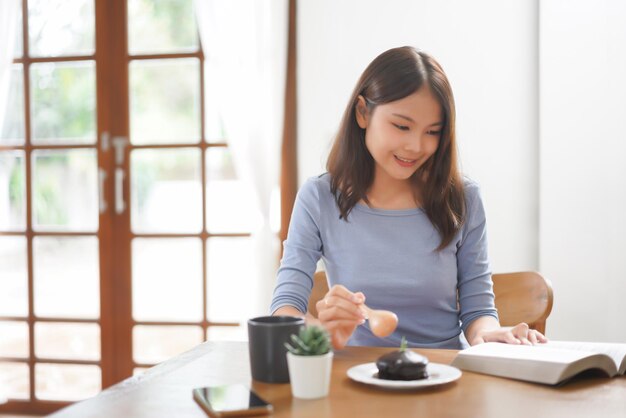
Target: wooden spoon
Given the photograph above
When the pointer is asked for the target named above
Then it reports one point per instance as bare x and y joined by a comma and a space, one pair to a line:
382, 323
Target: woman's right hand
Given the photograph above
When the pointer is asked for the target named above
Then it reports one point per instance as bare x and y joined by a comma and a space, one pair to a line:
339, 312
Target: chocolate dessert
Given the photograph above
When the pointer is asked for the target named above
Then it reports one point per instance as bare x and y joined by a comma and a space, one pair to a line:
402, 364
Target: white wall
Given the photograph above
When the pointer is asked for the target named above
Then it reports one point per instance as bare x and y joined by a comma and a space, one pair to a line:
583, 168
488, 48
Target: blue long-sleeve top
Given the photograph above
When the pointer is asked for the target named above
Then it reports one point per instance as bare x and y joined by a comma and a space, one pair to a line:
391, 256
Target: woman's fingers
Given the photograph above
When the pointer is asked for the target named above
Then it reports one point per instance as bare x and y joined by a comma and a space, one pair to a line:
342, 292
341, 304
341, 325
335, 313
519, 334
509, 338
520, 331
340, 313
340, 331
528, 336
540, 337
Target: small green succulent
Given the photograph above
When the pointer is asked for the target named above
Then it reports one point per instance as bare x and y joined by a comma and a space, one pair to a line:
310, 341
403, 344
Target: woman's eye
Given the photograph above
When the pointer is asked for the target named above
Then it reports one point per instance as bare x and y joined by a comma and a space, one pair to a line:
435, 133
401, 127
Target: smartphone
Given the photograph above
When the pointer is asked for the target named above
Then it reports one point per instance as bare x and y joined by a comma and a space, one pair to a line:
231, 400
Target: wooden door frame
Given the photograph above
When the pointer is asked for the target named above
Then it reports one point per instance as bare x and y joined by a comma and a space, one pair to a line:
289, 151
116, 279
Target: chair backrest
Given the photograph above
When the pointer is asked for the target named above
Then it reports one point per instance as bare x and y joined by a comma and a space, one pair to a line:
320, 288
523, 297
520, 297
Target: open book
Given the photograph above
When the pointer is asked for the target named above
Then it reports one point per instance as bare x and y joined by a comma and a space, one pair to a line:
550, 363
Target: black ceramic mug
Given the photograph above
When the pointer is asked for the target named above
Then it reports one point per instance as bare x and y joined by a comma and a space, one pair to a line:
267, 336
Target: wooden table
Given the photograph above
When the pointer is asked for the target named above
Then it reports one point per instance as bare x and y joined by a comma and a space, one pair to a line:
165, 391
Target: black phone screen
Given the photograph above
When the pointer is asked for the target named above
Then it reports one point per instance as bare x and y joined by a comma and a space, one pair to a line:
230, 399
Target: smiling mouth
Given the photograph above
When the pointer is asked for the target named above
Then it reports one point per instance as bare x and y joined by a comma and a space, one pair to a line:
404, 161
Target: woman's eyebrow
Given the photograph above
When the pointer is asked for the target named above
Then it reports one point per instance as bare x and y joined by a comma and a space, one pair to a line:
411, 120
403, 117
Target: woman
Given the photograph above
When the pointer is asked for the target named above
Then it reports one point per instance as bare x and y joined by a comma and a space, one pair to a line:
394, 220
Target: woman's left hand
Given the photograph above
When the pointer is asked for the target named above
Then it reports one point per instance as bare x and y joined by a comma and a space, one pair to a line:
519, 334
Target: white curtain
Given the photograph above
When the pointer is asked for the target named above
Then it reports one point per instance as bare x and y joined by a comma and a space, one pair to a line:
8, 24
245, 48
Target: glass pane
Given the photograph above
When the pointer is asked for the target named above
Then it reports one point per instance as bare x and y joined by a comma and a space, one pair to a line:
12, 191
14, 341
61, 27
67, 341
14, 382
65, 190
231, 269
19, 37
213, 124
66, 381
217, 333
166, 190
66, 277
153, 344
167, 279
63, 103
230, 202
161, 26
165, 101
13, 277
12, 129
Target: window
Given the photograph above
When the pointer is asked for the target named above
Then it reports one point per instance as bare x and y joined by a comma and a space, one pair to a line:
122, 222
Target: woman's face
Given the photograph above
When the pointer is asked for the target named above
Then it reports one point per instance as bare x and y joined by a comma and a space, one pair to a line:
402, 135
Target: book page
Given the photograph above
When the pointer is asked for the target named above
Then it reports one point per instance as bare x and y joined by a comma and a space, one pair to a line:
616, 351
539, 352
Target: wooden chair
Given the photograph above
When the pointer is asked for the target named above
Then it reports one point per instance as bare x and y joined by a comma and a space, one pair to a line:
520, 297
523, 297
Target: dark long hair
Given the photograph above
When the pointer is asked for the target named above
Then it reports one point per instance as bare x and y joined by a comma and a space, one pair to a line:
393, 75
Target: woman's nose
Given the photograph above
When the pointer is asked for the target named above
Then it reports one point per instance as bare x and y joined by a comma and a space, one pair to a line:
414, 144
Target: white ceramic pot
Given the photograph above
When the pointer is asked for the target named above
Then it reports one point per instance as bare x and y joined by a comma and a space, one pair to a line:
310, 375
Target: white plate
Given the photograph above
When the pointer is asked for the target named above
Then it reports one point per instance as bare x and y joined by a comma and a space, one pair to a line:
438, 374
